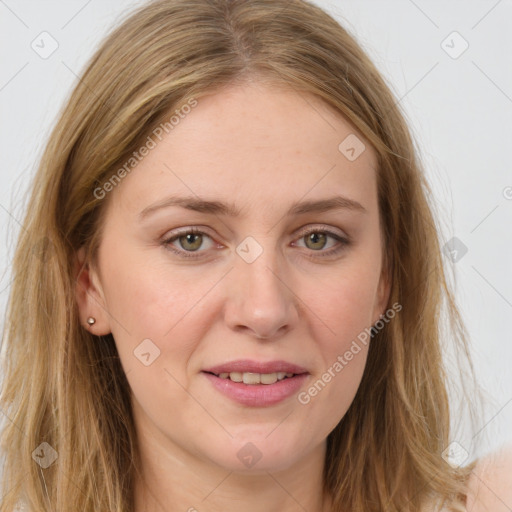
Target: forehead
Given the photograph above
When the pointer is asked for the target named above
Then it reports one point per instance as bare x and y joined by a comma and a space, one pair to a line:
250, 143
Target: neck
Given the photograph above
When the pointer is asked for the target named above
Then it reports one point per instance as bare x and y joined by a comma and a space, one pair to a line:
175, 481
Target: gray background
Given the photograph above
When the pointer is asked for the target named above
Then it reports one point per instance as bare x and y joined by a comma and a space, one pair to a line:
459, 108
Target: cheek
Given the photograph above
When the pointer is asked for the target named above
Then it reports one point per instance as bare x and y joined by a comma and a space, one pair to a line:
147, 299
157, 322
345, 308
344, 301
330, 393
347, 311
155, 311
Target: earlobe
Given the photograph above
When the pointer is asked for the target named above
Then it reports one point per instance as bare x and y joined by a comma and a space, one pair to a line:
89, 297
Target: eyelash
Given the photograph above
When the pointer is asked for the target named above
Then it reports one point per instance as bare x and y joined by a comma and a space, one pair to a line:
344, 242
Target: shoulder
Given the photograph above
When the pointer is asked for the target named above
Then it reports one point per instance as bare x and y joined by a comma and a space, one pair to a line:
490, 484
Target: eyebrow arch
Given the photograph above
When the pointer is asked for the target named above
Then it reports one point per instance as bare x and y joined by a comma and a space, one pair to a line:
219, 208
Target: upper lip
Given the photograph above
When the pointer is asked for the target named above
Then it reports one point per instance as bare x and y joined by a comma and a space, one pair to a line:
250, 366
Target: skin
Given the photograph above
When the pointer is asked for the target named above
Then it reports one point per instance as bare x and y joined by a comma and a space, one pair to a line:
264, 148
490, 484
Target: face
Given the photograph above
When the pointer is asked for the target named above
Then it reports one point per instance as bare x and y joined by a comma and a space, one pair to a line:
283, 287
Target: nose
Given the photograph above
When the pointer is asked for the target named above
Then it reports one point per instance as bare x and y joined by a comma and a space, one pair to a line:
260, 298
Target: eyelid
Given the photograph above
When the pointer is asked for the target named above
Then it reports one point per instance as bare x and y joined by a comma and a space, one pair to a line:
199, 230
342, 238
304, 230
322, 228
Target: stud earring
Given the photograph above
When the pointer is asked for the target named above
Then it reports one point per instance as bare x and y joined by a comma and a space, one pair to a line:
91, 320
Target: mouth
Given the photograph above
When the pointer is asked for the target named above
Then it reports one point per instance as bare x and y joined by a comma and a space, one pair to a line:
252, 378
257, 384
255, 372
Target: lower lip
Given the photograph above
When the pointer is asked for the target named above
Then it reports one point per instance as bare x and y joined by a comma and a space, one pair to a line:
258, 395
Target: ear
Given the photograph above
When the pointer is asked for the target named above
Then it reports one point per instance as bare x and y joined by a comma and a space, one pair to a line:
383, 292
89, 297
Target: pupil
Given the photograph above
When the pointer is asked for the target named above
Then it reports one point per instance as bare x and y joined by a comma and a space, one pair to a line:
314, 237
189, 240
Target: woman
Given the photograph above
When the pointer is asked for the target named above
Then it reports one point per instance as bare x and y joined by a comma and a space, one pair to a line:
229, 282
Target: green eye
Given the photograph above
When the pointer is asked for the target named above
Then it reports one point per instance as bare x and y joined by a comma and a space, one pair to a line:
317, 239
194, 239
191, 240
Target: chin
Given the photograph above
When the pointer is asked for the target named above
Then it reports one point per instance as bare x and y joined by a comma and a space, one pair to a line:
255, 453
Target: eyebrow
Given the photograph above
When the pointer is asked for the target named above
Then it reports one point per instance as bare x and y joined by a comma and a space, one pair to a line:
219, 208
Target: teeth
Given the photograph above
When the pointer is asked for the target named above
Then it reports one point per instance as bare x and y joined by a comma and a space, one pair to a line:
236, 376
251, 378
255, 378
268, 378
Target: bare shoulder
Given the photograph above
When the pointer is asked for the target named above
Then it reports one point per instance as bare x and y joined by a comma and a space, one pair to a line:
490, 485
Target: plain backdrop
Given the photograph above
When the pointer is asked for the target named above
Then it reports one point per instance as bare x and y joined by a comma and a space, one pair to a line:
448, 64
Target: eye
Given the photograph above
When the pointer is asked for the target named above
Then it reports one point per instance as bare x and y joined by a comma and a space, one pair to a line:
190, 241
316, 240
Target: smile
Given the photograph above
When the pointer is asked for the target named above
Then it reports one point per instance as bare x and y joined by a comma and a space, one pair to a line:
256, 384
255, 378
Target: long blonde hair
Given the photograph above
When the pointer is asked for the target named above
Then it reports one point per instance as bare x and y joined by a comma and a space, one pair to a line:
65, 387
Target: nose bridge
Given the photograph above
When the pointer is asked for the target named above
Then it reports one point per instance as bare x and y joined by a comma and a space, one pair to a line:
257, 267
261, 300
